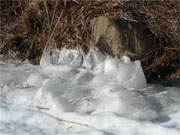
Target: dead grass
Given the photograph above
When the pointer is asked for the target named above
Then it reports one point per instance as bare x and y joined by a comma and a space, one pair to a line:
29, 26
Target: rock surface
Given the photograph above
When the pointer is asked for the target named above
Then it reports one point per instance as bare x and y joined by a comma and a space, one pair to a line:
118, 37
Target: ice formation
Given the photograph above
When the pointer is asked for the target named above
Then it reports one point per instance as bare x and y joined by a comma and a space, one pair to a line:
106, 95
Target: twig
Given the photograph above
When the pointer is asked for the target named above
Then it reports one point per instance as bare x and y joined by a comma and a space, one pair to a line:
71, 122
78, 99
53, 30
54, 12
45, 4
66, 121
42, 108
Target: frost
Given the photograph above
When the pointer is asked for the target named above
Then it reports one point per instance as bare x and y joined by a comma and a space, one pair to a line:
73, 93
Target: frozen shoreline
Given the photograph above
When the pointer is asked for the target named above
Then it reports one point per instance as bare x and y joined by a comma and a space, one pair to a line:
108, 95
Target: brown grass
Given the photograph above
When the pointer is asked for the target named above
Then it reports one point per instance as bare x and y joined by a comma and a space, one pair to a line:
29, 26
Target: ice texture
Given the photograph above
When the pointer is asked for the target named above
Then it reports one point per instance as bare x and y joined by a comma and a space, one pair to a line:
72, 93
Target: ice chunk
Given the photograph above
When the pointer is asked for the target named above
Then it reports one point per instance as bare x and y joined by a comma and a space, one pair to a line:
137, 79
73, 93
45, 59
34, 79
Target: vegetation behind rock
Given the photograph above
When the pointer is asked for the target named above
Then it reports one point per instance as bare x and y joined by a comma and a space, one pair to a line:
143, 30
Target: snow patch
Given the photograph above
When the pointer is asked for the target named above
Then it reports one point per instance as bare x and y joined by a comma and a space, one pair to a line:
73, 93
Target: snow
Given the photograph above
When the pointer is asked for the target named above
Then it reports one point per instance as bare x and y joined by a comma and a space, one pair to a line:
71, 93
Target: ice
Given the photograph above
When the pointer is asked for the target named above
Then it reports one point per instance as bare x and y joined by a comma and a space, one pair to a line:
35, 79
73, 93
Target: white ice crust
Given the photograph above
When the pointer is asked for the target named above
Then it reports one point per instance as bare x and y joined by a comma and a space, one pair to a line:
107, 96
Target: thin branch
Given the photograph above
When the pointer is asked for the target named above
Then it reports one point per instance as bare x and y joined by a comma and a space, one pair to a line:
49, 39
71, 122
54, 11
45, 5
